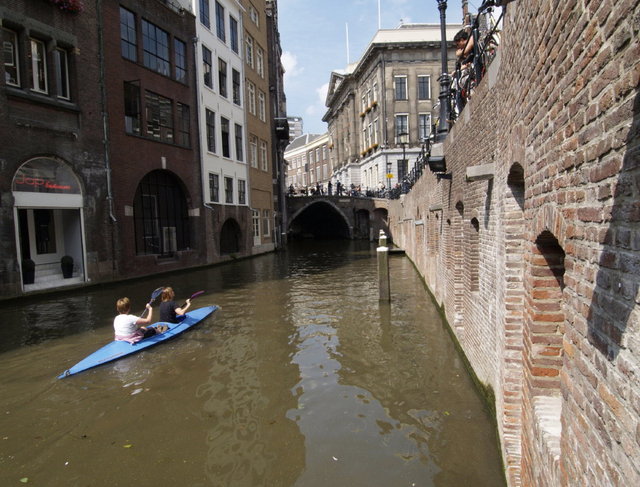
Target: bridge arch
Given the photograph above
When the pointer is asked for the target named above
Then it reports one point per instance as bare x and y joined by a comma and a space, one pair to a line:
320, 218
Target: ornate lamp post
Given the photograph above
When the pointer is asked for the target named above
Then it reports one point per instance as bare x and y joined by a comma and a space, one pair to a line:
445, 81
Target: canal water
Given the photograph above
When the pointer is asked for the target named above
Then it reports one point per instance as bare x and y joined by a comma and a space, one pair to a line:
302, 378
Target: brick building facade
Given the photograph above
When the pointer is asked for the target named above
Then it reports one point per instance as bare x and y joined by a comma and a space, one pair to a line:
533, 246
53, 179
154, 158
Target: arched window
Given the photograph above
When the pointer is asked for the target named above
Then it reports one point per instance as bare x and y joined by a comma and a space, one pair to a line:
160, 215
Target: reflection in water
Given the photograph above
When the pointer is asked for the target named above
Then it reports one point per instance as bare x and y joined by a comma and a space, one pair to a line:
301, 379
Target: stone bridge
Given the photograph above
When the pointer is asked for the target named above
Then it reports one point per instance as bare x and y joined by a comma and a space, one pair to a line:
348, 217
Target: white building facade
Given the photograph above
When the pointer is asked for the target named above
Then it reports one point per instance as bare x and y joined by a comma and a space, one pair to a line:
221, 102
382, 108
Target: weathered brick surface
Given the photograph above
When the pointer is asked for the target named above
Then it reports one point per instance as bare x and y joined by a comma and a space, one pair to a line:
537, 268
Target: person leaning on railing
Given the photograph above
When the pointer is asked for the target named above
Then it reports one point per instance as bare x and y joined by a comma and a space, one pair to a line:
463, 43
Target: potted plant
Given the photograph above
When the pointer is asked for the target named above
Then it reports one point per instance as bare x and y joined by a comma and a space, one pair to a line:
66, 263
28, 271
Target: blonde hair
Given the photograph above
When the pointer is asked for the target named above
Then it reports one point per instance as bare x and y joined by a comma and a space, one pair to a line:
167, 294
123, 305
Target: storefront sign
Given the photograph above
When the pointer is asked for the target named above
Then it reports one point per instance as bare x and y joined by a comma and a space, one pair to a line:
45, 176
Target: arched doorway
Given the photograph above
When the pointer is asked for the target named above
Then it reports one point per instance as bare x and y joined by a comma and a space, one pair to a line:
160, 215
230, 237
48, 217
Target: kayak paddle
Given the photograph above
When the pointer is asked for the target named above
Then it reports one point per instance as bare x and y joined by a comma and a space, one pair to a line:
154, 295
192, 297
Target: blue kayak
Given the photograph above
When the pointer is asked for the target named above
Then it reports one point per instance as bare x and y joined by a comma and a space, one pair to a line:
118, 349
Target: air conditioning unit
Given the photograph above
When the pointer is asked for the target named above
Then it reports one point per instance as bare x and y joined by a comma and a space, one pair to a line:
169, 241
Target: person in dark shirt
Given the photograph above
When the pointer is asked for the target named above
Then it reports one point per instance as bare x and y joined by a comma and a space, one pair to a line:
170, 312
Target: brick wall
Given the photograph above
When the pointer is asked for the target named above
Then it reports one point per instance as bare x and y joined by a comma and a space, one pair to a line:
537, 267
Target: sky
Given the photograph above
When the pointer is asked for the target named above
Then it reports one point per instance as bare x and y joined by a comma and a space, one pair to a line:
313, 37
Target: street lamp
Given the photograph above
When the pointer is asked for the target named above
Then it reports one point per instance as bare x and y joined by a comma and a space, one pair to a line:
445, 81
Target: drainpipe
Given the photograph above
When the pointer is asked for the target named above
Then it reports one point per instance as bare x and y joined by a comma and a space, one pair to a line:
105, 132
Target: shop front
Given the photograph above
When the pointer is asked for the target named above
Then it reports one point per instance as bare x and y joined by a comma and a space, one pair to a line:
48, 217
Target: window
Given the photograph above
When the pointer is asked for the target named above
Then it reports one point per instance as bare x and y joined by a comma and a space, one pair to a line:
224, 130
10, 56
263, 156
233, 34
260, 61
131, 108
155, 42
251, 88
262, 106
235, 81
38, 66
375, 131
255, 216
402, 126
228, 190
253, 151
180, 49
204, 13
400, 83
424, 125
424, 87
254, 16
214, 187
220, 30
248, 42
62, 73
266, 223
222, 77
184, 124
239, 143
207, 67
242, 192
211, 130
128, 37
375, 91
159, 114
160, 215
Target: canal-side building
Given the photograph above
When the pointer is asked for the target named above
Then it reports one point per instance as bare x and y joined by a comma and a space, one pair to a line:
381, 108
259, 126
529, 239
308, 164
279, 124
153, 147
54, 164
296, 127
223, 121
